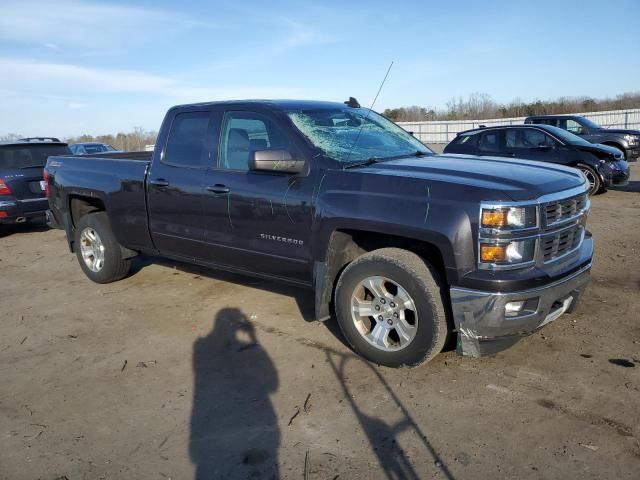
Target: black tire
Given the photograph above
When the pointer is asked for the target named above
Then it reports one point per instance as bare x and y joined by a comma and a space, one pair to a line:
114, 266
592, 177
418, 279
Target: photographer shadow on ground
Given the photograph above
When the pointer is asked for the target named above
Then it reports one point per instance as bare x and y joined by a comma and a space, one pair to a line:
234, 428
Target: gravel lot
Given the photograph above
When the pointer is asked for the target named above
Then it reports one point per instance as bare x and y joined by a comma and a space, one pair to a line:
177, 372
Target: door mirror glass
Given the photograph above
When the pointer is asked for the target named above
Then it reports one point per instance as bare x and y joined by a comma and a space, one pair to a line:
274, 160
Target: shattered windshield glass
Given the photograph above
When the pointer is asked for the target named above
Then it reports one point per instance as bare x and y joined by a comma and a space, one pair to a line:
355, 134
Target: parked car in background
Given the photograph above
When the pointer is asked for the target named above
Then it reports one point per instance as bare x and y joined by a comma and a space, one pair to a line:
89, 148
603, 165
628, 141
406, 246
22, 186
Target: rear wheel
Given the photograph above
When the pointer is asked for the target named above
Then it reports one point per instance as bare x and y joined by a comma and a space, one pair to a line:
595, 185
389, 308
98, 252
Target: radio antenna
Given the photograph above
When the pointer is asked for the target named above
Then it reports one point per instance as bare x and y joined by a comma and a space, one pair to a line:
369, 111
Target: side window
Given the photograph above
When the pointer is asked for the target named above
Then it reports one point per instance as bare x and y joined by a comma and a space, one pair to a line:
186, 146
466, 139
574, 127
527, 138
244, 132
489, 141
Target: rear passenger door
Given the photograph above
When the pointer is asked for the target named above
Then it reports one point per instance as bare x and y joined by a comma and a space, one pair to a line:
175, 186
491, 143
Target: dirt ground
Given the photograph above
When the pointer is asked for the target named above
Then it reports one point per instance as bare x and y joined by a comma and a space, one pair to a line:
177, 372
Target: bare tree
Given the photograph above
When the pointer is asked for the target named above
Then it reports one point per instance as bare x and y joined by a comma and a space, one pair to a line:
479, 106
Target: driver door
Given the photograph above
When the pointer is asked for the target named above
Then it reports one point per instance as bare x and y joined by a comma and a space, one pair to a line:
533, 144
259, 221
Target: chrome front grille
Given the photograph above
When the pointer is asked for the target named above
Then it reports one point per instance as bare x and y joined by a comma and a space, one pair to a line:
556, 213
558, 244
557, 235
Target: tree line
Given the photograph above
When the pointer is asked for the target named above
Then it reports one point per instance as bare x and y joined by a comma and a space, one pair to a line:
131, 141
478, 106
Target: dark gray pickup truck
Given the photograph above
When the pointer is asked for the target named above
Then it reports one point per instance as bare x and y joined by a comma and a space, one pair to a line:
407, 248
625, 140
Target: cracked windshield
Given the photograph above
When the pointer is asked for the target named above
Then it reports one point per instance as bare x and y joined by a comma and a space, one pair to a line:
355, 135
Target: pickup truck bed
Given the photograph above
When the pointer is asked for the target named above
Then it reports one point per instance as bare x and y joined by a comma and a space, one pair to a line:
120, 179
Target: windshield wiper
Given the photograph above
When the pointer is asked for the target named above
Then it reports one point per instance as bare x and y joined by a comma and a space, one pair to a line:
368, 161
420, 153
372, 160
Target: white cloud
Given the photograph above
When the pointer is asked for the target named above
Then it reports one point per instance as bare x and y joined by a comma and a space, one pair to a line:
46, 79
77, 105
88, 25
70, 99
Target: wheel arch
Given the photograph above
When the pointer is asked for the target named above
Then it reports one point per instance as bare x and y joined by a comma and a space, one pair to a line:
81, 205
345, 245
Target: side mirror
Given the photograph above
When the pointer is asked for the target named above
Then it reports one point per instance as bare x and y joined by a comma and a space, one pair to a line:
275, 161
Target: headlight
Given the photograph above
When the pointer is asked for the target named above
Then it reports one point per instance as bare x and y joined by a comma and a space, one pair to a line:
629, 138
509, 253
509, 218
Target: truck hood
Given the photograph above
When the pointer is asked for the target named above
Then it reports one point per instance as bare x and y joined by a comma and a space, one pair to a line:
520, 180
619, 130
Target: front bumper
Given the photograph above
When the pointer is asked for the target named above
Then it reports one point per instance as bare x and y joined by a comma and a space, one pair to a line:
52, 221
484, 329
620, 175
632, 153
21, 210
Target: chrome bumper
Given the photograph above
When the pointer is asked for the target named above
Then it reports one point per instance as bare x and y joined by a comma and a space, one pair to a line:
484, 328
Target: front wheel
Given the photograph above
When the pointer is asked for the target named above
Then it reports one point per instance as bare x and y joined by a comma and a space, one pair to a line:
98, 251
595, 185
389, 308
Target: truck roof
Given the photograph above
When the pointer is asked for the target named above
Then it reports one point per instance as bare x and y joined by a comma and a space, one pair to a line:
548, 128
559, 115
281, 104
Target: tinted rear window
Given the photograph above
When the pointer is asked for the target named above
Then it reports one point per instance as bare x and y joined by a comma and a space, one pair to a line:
466, 139
98, 148
27, 156
186, 144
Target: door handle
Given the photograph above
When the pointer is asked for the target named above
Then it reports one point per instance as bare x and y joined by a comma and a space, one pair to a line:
218, 188
159, 182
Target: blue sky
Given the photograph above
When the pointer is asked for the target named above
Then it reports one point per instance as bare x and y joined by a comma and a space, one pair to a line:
72, 67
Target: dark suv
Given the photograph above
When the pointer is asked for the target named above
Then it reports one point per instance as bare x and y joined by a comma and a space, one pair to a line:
602, 165
623, 139
22, 186
89, 148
